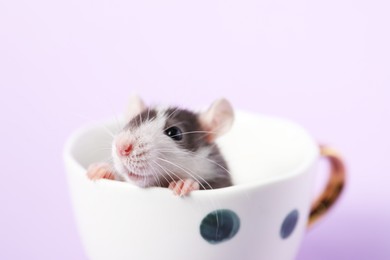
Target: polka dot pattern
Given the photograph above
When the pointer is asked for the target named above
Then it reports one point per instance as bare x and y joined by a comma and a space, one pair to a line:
219, 226
289, 224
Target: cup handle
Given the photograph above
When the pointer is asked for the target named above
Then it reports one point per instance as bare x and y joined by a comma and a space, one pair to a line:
333, 188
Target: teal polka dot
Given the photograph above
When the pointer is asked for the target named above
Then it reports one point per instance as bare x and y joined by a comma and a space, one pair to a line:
219, 226
289, 224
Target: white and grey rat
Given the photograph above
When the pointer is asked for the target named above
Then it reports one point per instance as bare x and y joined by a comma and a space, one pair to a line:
170, 147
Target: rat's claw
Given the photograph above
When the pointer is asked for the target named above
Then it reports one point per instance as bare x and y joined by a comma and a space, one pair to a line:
100, 171
184, 187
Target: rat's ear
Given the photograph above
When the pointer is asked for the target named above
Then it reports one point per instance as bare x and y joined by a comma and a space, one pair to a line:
218, 119
134, 107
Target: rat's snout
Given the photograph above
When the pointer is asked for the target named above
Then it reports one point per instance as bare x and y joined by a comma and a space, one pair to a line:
124, 147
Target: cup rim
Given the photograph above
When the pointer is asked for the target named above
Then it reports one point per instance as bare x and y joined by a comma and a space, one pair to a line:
303, 166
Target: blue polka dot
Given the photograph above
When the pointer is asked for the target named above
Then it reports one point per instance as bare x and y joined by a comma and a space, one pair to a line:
219, 225
289, 224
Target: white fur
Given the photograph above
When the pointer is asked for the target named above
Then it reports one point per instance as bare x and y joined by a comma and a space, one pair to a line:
157, 157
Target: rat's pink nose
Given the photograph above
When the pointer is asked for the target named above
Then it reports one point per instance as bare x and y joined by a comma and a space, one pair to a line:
124, 149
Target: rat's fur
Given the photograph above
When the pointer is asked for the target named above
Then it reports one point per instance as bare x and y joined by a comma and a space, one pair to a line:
170, 147
157, 160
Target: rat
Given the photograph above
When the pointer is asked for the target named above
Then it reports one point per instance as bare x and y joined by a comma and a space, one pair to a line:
170, 147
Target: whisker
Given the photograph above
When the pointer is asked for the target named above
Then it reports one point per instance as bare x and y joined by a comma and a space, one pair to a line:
166, 171
169, 126
197, 206
195, 132
194, 154
173, 112
214, 203
140, 118
190, 174
156, 175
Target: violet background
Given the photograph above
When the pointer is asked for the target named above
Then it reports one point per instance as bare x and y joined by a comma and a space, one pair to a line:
324, 64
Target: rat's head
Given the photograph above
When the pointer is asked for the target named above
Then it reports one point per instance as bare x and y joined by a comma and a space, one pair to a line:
159, 145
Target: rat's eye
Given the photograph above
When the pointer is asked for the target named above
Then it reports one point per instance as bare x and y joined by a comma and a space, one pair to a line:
175, 133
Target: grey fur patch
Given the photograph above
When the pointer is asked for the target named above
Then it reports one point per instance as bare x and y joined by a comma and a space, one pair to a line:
194, 136
194, 139
144, 116
222, 177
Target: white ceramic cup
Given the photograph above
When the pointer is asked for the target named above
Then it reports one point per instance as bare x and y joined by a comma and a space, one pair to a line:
262, 216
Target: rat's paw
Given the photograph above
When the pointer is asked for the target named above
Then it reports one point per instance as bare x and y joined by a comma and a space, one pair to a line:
183, 187
98, 171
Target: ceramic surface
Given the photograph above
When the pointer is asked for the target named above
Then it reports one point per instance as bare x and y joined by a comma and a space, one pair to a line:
263, 216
